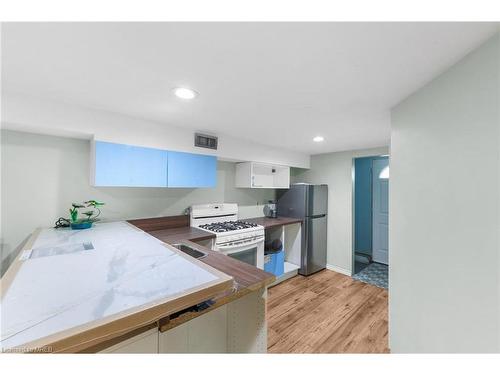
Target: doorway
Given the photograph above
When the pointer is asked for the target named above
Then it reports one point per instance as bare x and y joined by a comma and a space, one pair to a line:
371, 219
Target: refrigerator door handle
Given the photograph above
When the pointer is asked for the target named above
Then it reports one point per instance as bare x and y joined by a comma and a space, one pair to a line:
315, 216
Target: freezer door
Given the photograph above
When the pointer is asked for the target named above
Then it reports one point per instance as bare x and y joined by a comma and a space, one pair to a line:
317, 196
314, 245
293, 202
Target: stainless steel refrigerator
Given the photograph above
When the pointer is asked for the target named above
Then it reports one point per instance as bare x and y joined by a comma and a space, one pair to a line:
309, 203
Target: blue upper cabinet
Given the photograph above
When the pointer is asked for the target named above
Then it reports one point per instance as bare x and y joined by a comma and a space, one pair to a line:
191, 170
124, 165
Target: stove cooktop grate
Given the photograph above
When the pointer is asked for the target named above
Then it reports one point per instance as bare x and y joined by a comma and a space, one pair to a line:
228, 226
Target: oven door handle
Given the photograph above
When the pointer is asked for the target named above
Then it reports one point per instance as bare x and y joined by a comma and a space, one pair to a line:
242, 243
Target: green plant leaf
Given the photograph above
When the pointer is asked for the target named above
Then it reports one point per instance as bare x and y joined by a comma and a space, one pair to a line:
73, 213
94, 203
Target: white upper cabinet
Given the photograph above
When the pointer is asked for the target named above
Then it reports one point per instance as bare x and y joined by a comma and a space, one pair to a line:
262, 176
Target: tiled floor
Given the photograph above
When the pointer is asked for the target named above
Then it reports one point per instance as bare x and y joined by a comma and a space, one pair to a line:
360, 266
375, 274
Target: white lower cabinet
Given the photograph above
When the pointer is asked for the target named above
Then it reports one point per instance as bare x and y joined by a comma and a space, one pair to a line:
205, 334
237, 327
174, 340
146, 342
247, 325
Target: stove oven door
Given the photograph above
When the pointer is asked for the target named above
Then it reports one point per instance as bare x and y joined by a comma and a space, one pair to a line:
250, 251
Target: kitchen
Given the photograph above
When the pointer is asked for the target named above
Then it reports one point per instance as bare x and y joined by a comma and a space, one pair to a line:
209, 231
201, 198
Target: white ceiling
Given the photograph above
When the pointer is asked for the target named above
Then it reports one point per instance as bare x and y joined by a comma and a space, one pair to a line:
273, 83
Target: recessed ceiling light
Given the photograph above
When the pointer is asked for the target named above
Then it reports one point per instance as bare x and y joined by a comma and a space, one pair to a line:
185, 93
318, 138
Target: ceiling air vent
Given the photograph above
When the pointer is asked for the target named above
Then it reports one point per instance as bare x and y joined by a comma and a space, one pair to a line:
206, 141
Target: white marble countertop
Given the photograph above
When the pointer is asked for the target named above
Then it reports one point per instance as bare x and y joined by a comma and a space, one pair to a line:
73, 277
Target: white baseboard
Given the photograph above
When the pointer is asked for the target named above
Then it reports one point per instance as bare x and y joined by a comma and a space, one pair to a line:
341, 270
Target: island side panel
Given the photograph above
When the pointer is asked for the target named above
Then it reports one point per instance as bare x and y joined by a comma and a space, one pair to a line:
247, 323
204, 334
144, 343
238, 327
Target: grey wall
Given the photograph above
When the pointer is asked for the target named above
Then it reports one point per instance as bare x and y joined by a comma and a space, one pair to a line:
444, 211
43, 175
336, 170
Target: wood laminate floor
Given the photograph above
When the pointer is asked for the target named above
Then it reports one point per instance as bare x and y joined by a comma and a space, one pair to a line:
327, 313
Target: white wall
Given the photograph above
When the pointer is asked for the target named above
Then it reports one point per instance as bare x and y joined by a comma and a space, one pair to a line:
42, 175
498, 205
26, 113
335, 170
444, 211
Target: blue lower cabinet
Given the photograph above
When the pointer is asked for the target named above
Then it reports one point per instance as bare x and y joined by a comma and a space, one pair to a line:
275, 263
124, 165
187, 170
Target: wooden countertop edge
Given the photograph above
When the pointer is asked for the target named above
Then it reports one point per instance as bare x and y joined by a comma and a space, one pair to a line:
166, 323
118, 325
98, 335
110, 342
175, 234
11, 272
89, 335
181, 236
221, 300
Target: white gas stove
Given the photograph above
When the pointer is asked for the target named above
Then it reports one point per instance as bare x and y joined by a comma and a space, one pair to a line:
236, 238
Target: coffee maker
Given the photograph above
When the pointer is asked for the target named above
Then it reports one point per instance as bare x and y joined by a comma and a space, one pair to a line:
270, 209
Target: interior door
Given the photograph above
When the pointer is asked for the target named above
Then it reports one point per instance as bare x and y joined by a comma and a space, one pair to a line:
380, 180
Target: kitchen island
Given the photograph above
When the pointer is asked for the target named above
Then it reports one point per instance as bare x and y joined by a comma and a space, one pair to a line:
115, 288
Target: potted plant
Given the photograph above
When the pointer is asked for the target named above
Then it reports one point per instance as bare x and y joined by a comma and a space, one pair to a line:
89, 217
